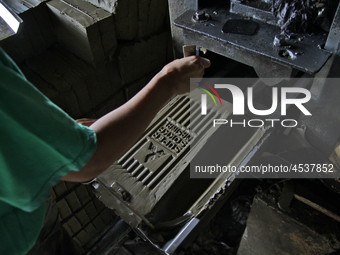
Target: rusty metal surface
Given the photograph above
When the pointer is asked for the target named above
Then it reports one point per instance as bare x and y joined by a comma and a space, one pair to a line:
177, 8
308, 57
262, 13
332, 43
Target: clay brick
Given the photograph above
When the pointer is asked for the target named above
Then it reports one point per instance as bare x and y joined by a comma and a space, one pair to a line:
73, 201
82, 194
110, 104
43, 67
89, 115
137, 59
65, 98
71, 185
113, 74
93, 90
91, 230
43, 19
134, 87
67, 82
83, 97
82, 217
77, 28
60, 189
74, 225
90, 210
77, 83
13, 52
126, 18
104, 83
39, 83
125, 14
64, 209
22, 6
78, 66
32, 31
83, 238
115, 102
151, 18
68, 229
107, 39
71, 104
76, 240
24, 46
108, 81
90, 191
99, 224
105, 23
59, 102
37, 31
88, 90
59, 67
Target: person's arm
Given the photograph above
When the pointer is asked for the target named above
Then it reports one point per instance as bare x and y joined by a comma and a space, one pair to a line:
118, 130
86, 122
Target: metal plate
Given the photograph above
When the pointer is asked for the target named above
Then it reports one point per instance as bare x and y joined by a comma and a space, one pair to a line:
260, 11
247, 49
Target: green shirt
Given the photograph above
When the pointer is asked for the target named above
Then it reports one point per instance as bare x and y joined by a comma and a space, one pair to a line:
39, 144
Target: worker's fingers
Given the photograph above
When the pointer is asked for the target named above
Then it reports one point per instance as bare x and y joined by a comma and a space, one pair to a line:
205, 63
197, 62
179, 72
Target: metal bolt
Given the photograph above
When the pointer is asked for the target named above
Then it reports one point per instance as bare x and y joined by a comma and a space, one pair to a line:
201, 16
279, 40
95, 185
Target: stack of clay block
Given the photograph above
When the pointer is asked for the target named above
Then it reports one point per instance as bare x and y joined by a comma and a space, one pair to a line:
83, 216
142, 56
84, 29
37, 33
135, 18
76, 87
89, 57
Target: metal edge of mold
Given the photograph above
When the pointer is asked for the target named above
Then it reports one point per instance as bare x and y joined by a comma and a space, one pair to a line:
173, 244
120, 208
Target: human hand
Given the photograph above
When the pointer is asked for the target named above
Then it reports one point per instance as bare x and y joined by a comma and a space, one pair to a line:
177, 74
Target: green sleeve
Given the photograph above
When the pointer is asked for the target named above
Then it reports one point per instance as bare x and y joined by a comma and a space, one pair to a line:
39, 143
